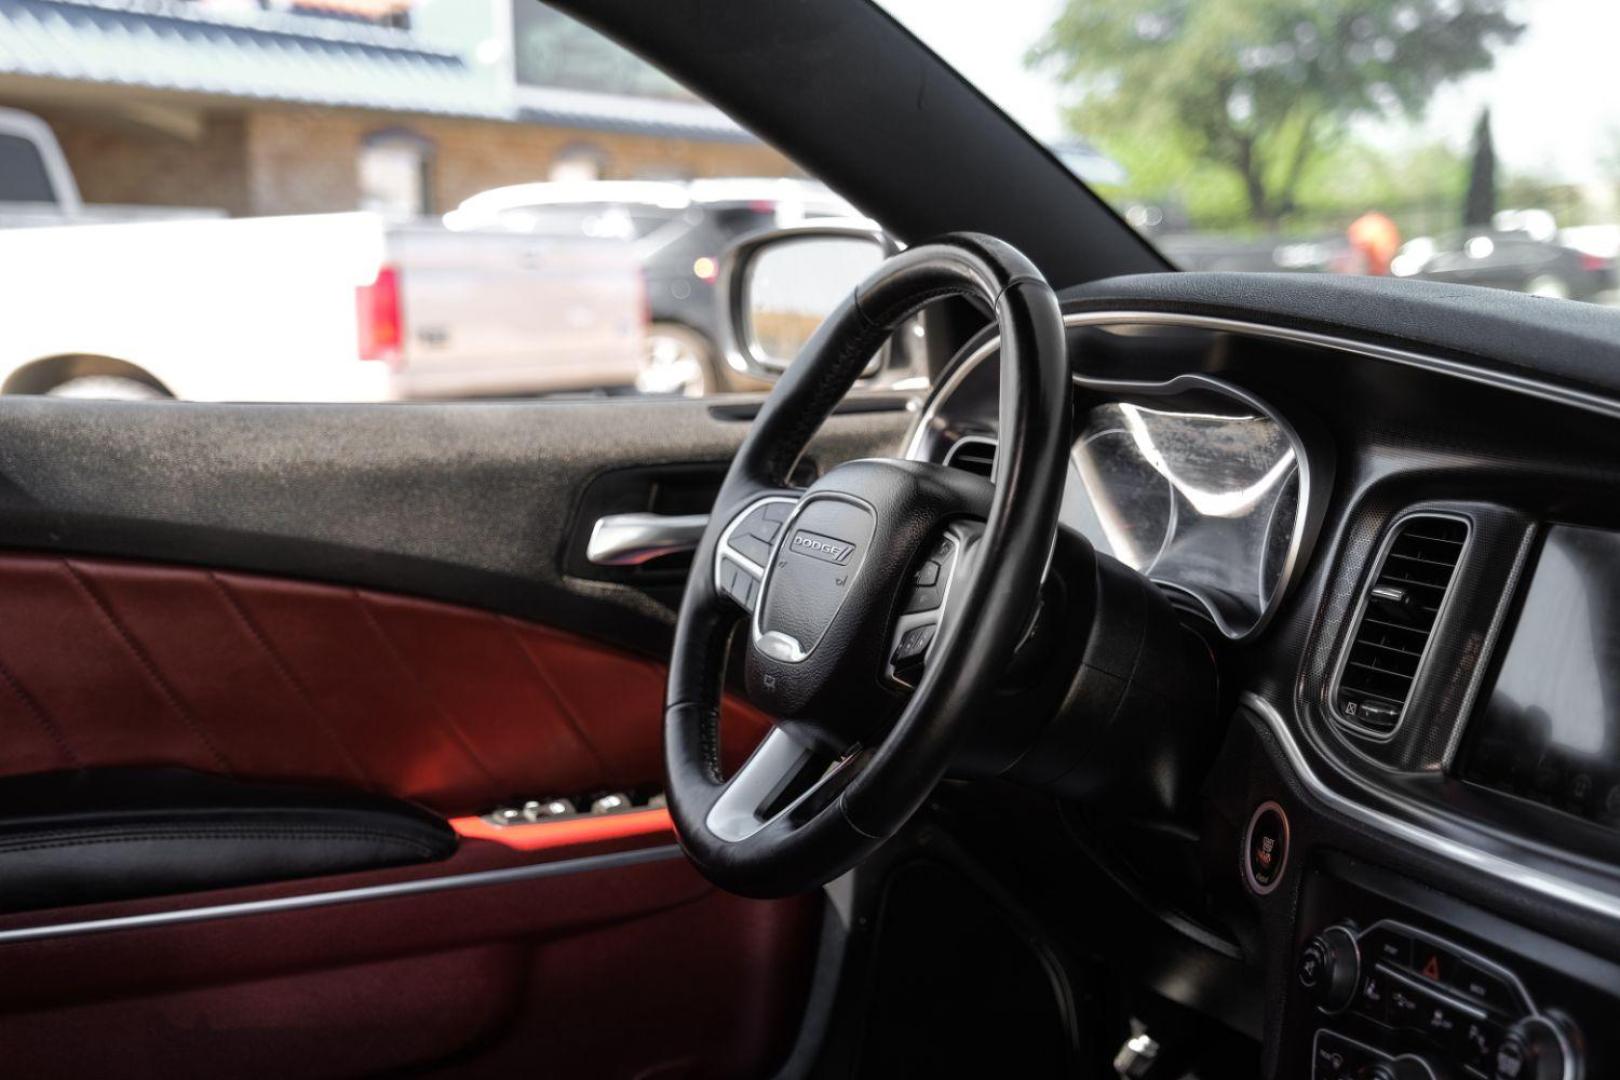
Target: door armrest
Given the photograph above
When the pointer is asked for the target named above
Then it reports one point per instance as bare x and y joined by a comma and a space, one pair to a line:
92, 835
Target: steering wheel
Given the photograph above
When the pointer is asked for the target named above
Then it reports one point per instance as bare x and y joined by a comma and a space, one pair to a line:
881, 604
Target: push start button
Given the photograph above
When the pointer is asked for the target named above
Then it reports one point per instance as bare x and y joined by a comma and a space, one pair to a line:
1265, 848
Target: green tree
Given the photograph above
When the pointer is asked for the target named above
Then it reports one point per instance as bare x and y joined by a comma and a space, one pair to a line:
1260, 88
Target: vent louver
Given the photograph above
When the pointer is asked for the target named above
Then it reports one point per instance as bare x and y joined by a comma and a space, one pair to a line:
1397, 618
973, 454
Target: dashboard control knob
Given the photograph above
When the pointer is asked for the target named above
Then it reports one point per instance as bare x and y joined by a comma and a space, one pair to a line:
1405, 1067
1329, 966
1537, 1048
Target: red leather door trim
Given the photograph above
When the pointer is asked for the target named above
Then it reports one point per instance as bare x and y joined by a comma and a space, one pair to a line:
622, 972
632, 970
116, 663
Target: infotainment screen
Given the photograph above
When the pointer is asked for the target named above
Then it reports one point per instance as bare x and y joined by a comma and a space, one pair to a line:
1550, 728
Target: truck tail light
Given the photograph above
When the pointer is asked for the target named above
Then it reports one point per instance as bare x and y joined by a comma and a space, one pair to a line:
1595, 263
381, 319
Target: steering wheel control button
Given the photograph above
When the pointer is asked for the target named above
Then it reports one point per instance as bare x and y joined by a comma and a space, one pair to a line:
912, 651
763, 523
1265, 848
914, 644
930, 579
1330, 967
737, 582
751, 538
751, 547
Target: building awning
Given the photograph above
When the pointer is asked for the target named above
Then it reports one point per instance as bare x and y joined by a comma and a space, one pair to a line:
266, 55
246, 53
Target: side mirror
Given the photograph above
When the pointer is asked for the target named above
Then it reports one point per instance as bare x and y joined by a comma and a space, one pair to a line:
778, 286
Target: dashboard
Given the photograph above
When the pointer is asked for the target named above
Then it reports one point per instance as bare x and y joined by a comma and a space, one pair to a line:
1404, 559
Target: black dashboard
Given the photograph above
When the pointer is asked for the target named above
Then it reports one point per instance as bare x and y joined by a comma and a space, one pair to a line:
1391, 514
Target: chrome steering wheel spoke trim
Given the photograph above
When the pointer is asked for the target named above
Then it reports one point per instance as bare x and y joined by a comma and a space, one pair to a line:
781, 775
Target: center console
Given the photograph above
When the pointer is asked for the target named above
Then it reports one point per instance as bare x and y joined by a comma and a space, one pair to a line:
1391, 981
1472, 693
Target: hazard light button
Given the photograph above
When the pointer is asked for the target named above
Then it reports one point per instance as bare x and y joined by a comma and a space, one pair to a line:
1432, 963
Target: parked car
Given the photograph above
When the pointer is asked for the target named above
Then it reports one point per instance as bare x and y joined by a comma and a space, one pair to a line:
1508, 259
679, 230
329, 307
1329, 253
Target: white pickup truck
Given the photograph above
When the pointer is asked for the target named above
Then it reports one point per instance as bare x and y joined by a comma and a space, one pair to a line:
325, 307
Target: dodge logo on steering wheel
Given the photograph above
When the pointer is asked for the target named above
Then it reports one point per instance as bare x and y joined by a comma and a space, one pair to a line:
821, 547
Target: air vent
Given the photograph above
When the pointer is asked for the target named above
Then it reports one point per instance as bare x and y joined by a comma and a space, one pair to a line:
1397, 618
973, 453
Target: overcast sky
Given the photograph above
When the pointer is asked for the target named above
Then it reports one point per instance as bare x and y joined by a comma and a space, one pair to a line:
1554, 95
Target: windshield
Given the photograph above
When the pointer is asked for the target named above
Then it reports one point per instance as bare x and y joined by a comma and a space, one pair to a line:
1471, 141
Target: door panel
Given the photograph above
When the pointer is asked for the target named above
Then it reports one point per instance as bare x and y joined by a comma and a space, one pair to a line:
118, 663
471, 503
615, 972
377, 597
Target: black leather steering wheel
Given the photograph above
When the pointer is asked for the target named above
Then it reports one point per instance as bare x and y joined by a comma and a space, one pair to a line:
838, 585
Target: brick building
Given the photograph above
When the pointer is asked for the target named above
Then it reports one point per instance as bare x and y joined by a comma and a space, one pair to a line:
275, 107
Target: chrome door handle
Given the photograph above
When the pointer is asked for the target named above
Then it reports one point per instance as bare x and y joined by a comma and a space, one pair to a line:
632, 539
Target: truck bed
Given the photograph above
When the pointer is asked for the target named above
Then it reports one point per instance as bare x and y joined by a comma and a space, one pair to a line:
266, 309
